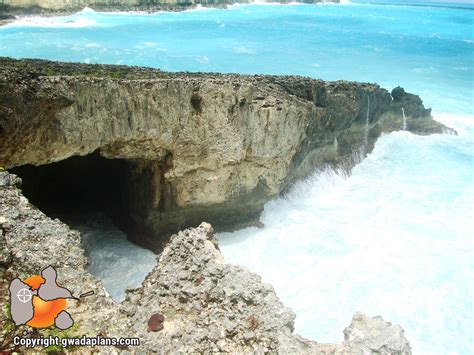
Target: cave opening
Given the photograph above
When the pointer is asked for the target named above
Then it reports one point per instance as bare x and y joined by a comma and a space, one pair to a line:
92, 195
80, 185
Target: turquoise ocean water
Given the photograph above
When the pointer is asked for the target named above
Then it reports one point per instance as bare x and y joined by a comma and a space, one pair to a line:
396, 237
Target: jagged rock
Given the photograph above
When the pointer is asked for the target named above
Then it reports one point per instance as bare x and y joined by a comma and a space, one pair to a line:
373, 335
196, 146
9, 179
229, 310
212, 314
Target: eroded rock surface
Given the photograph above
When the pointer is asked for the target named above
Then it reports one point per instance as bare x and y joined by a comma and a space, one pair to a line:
372, 335
208, 305
197, 146
198, 302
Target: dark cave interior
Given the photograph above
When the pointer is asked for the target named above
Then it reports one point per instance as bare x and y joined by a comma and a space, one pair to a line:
78, 185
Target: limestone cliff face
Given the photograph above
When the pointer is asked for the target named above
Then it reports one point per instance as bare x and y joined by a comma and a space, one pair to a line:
29, 6
197, 146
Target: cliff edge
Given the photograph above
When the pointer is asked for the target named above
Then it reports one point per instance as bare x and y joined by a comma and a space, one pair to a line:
162, 152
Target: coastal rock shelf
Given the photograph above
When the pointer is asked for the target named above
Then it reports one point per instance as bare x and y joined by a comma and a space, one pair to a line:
184, 148
191, 301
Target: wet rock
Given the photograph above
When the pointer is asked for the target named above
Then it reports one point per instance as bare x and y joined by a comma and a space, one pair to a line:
398, 93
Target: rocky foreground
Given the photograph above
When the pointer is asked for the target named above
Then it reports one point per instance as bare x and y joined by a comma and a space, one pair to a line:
192, 301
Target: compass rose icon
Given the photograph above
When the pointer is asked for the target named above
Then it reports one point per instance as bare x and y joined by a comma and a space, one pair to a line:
24, 295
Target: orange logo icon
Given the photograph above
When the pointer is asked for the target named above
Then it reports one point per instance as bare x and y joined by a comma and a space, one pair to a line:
45, 312
40, 302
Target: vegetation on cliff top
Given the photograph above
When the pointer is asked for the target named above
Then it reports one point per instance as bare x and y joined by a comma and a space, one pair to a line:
40, 68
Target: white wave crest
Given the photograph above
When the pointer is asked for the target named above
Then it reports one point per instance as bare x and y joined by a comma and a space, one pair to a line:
53, 22
199, 7
393, 238
87, 10
463, 124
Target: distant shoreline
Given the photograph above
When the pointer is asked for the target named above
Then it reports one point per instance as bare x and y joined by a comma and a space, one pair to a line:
9, 14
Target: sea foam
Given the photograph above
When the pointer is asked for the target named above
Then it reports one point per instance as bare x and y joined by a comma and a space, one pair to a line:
53, 22
391, 239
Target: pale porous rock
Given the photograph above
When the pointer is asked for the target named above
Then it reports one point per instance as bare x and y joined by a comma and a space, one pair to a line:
366, 335
197, 146
31, 241
208, 305
196, 302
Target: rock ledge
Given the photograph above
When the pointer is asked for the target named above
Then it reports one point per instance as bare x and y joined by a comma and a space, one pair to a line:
192, 147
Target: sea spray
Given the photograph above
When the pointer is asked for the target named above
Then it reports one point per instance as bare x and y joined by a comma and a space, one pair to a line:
384, 240
365, 148
119, 263
404, 123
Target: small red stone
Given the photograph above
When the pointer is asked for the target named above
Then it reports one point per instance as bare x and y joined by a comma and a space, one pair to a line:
198, 281
155, 323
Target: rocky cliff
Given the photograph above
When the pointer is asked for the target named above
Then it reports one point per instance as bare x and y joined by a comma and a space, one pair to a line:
58, 6
187, 147
192, 302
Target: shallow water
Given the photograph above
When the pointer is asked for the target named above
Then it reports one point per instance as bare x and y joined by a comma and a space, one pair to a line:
394, 238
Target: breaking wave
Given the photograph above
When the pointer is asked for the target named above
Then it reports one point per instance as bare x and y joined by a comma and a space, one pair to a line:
393, 239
